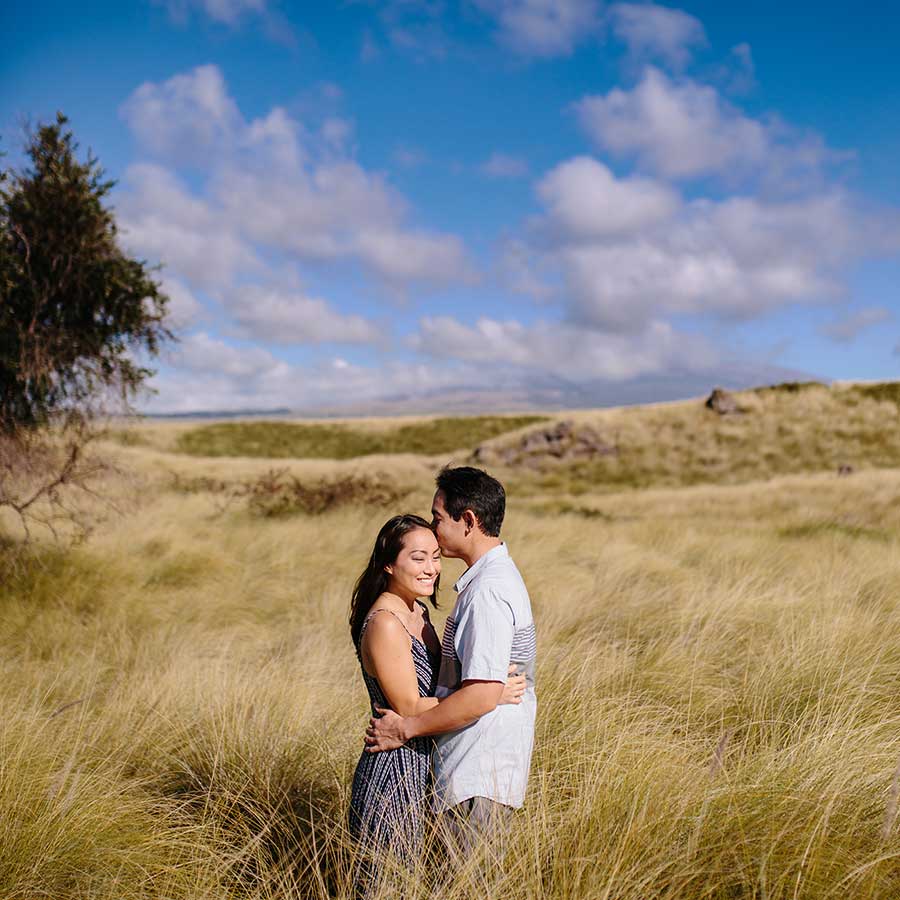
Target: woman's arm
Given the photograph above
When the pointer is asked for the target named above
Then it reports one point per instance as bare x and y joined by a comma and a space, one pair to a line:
461, 708
385, 644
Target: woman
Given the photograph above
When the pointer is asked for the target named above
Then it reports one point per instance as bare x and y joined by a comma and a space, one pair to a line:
399, 652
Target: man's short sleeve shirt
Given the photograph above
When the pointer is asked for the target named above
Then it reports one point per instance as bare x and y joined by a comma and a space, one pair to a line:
491, 626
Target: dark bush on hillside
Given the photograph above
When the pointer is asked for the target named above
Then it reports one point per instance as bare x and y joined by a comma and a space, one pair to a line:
881, 391
277, 493
789, 387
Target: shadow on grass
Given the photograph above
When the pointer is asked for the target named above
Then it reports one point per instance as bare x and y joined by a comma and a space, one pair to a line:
281, 822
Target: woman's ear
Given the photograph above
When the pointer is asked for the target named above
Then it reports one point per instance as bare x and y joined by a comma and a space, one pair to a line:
389, 570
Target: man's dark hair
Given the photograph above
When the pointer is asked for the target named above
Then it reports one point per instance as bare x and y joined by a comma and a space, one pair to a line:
465, 487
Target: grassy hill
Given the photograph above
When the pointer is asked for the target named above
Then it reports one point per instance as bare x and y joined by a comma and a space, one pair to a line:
181, 709
282, 440
784, 429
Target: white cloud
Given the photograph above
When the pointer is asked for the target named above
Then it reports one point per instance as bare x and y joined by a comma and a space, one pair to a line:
737, 258
543, 28
405, 256
339, 210
275, 142
424, 41
369, 49
657, 32
685, 130
631, 251
209, 374
845, 329
564, 350
523, 270
161, 220
184, 309
410, 26
503, 165
675, 130
585, 200
337, 133
409, 157
201, 353
288, 317
739, 74
317, 213
271, 183
190, 116
542, 364
227, 12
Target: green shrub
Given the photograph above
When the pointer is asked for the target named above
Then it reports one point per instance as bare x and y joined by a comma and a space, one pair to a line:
881, 391
278, 493
789, 387
819, 529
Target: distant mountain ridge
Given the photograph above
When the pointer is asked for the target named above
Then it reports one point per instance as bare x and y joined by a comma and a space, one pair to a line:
512, 395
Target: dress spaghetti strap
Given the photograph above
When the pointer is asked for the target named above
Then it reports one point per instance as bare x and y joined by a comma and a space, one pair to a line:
382, 609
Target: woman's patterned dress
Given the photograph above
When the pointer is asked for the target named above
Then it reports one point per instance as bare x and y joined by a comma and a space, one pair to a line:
389, 803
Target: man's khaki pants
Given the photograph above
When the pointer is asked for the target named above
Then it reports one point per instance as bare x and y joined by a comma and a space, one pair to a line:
473, 822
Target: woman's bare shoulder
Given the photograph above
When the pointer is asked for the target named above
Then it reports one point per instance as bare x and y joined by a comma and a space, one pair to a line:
384, 626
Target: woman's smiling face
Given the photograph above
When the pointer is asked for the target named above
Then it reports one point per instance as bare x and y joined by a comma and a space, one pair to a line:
417, 566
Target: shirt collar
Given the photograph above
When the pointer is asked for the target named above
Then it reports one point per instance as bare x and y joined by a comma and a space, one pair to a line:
467, 576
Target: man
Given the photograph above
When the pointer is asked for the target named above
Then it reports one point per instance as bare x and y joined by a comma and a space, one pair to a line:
483, 750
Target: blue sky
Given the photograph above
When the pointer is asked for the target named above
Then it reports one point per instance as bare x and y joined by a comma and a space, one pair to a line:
426, 205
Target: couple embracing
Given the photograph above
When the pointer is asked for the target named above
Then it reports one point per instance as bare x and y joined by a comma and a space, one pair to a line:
453, 719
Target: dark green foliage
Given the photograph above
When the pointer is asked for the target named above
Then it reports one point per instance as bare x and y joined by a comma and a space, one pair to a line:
281, 440
73, 307
818, 529
881, 391
281, 494
789, 387
277, 493
563, 508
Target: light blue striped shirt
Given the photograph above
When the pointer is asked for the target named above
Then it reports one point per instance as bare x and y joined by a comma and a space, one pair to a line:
491, 626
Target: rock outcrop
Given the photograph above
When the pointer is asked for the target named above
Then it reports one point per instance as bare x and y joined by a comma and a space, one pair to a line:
563, 441
721, 402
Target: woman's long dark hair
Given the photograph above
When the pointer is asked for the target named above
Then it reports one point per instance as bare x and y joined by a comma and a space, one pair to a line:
374, 580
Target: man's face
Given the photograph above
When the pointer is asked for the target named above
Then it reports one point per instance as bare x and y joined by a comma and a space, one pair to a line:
451, 534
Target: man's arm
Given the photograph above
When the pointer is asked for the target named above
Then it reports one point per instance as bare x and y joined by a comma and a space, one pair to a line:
483, 640
461, 708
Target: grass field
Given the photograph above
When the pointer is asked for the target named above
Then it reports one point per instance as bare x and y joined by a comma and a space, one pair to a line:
279, 440
718, 680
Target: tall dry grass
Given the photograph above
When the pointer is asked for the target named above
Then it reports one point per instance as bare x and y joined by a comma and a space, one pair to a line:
718, 682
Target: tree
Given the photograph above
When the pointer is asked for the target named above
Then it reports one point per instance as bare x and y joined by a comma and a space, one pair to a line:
74, 307
76, 313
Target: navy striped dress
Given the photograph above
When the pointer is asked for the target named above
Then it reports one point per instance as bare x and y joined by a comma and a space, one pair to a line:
388, 802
